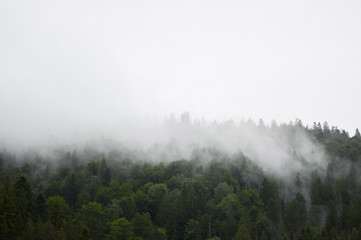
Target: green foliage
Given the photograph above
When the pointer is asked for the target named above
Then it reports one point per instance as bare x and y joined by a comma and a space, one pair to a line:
158, 234
23, 199
222, 190
193, 230
128, 206
8, 210
40, 206
229, 205
83, 197
114, 210
58, 210
269, 196
71, 189
242, 233
91, 216
121, 229
296, 214
105, 194
143, 225
230, 197
158, 203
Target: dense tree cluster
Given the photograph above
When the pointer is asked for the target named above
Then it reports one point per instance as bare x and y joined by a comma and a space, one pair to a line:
108, 196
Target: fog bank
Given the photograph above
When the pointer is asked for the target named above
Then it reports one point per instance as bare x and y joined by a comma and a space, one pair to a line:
278, 149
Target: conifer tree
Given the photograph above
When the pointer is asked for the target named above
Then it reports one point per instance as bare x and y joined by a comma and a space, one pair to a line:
8, 209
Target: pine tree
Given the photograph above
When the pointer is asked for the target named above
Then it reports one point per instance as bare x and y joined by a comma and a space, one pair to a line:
121, 229
8, 210
357, 133
23, 200
83, 197
242, 233
326, 128
192, 230
39, 206
263, 236
71, 190
29, 231
296, 213
143, 225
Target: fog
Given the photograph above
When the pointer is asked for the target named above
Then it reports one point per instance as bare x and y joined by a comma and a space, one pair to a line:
73, 72
278, 149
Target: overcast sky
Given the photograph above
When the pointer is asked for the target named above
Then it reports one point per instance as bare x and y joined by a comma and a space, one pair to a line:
65, 64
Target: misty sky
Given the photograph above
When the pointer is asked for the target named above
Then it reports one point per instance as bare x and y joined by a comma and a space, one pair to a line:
69, 64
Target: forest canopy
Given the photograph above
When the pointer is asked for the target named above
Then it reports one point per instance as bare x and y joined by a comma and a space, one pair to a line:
212, 194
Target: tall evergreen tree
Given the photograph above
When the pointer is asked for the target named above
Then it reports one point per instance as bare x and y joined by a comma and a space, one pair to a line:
357, 133
8, 210
296, 213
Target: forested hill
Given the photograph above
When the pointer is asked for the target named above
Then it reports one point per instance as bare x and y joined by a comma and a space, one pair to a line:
90, 194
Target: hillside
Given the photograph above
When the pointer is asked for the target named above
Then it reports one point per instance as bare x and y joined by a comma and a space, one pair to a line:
213, 194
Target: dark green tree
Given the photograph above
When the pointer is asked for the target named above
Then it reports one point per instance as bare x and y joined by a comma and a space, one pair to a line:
192, 230
92, 216
8, 209
58, 211
23, 199
121, 229
71, 190
296, 213
143, 226
242, 233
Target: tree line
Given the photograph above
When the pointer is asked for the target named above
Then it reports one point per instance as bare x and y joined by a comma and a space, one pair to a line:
110, 196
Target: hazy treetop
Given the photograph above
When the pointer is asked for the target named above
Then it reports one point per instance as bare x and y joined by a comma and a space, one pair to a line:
82, 65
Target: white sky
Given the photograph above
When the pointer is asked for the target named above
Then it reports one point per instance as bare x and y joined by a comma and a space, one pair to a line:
72, 63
